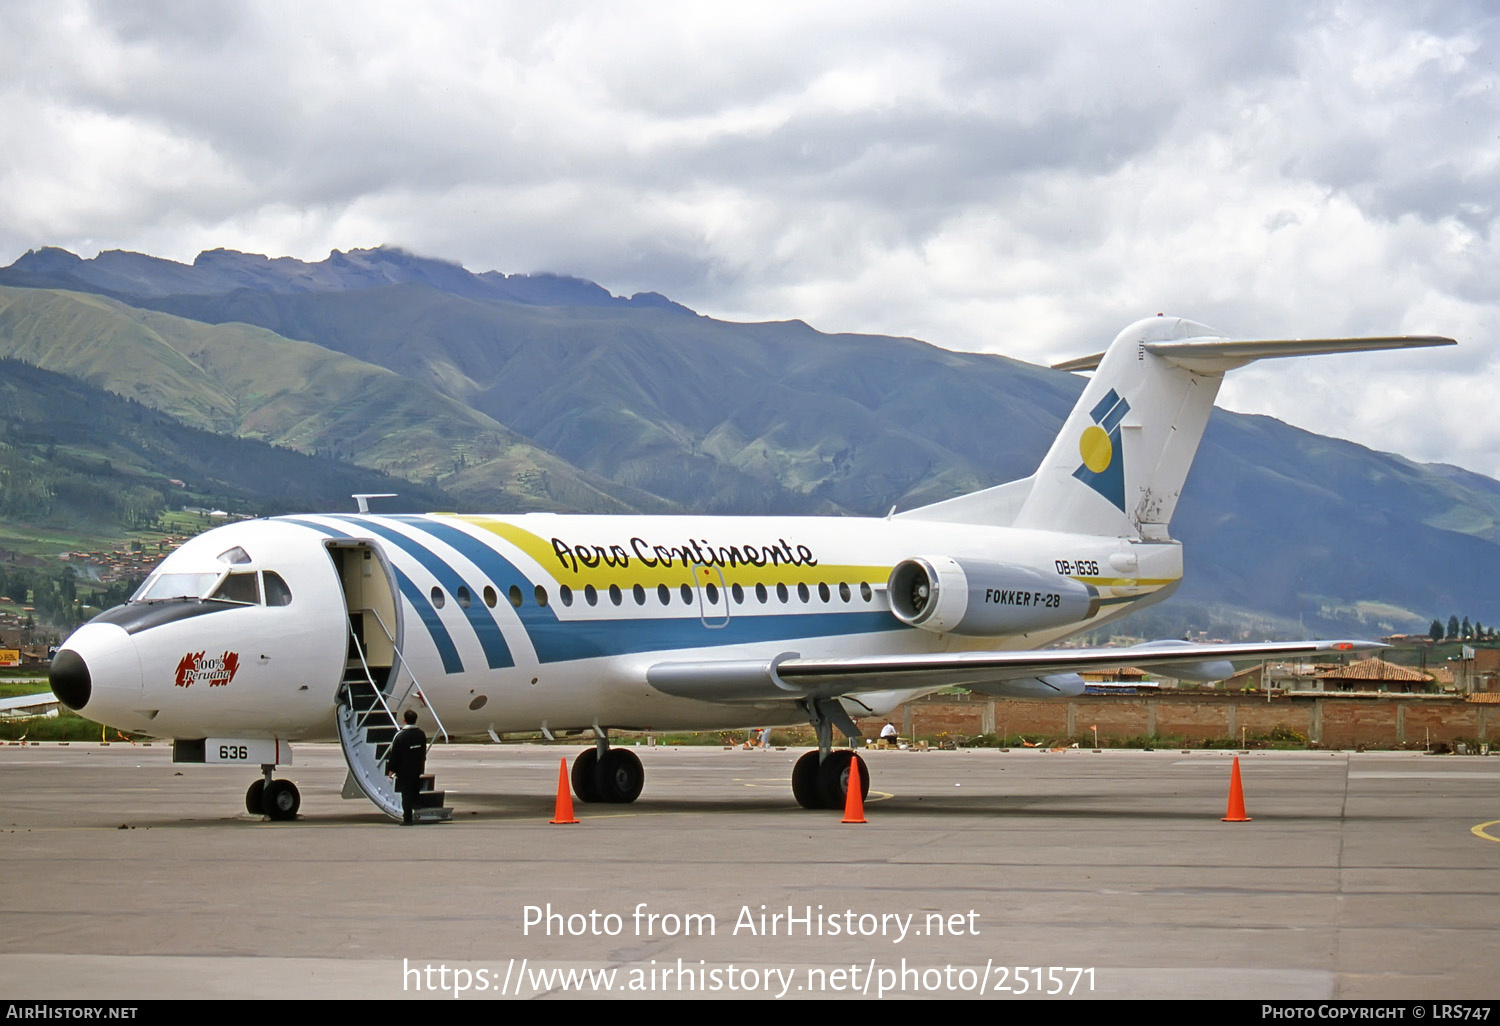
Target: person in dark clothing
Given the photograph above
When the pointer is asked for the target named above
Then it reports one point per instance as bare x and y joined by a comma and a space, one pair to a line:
405, 760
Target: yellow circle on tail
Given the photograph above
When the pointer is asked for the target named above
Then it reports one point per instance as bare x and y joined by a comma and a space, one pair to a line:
1096, 448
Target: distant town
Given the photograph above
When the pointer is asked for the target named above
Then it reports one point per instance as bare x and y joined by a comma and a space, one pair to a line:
27, 637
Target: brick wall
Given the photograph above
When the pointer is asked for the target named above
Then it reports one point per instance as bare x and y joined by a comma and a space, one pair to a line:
1335, 722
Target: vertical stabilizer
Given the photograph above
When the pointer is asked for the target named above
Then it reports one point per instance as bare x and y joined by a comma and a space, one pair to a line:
1119, 463
1123, 455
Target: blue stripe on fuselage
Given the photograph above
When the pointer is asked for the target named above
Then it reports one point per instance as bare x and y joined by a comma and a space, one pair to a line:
496, 651
560, 640
441, 639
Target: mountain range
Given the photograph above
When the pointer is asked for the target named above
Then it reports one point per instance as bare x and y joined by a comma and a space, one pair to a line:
511, 392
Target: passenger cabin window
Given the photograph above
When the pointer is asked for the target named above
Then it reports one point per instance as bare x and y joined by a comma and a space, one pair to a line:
242, 588
277, 593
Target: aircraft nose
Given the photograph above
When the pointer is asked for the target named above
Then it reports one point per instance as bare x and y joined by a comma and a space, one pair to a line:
70, 679
97, 672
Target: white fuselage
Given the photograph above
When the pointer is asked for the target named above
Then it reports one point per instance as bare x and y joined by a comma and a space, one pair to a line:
544, 621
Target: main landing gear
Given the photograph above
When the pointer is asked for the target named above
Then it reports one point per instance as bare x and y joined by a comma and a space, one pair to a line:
820, 780
278, 799
609, 775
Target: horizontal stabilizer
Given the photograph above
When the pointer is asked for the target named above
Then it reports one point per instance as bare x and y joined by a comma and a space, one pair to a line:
1217, 355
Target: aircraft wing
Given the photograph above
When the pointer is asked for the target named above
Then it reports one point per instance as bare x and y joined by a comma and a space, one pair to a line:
788, 676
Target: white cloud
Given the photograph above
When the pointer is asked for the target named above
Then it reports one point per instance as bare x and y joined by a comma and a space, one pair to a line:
1006, 177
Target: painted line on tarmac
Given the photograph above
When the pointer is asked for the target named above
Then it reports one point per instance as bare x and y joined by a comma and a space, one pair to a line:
1479, 831
1278, 764
1422, 775
871, 796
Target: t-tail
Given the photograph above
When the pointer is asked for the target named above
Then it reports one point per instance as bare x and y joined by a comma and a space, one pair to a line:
1118, 465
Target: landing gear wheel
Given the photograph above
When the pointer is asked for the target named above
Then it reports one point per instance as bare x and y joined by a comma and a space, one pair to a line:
833, 778
584, 785
281, 799
619, 777
255, 799
805, 782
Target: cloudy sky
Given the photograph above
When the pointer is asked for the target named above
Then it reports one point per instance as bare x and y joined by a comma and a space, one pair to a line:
1016, 178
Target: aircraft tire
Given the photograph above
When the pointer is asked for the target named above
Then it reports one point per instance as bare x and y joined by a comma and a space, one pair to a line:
619, 777
805, 782
282, 800
833, 778
583, 776
255, 798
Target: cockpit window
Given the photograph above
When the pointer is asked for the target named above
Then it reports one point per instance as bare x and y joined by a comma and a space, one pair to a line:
277, 593
234, 556
168, 586
243, 588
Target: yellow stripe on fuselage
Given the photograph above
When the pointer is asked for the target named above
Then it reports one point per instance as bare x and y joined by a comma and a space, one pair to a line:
692, 561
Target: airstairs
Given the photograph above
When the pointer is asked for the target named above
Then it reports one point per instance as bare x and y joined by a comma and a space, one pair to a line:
367, 724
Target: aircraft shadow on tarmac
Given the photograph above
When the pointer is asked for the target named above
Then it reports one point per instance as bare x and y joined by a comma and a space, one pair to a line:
491, 807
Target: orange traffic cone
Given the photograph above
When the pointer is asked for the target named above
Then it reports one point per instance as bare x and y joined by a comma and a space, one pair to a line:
564, 813
854, 800
1236, 811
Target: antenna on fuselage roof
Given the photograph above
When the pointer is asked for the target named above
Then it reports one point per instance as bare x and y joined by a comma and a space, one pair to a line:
362, 499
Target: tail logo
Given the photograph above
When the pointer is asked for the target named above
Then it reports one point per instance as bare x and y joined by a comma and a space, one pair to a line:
1103, 467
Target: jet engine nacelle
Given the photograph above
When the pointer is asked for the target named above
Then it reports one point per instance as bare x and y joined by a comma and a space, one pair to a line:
983, 598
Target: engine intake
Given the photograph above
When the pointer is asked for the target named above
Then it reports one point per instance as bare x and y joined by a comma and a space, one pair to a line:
981, 598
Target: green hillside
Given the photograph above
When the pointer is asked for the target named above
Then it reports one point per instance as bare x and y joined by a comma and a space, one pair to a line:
246, 381
77, 457
546, 392
716, 416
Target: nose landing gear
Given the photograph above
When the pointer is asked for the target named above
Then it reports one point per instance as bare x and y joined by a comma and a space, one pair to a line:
275, 799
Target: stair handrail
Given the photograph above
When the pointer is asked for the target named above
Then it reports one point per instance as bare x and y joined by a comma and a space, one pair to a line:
415, 684
356, 726
359, 648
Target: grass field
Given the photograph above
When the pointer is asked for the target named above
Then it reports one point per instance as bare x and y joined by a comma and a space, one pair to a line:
65, 726
46, 542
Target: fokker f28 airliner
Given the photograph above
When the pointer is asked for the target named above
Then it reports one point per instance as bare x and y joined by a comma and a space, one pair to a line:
302, 628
